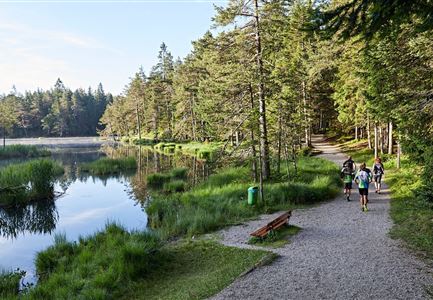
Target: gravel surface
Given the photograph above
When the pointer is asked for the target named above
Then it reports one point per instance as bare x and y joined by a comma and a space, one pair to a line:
341, 253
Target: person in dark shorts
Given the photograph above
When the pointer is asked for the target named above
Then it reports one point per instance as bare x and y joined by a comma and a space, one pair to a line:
347, 176
378, 171
363, 179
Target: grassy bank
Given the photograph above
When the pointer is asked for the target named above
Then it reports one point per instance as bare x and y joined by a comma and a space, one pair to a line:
22, 151
412, 215
222, 199
107, 166
26, 182
117, 264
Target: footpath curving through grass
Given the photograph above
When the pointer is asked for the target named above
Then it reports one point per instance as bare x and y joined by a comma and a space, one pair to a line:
22, 151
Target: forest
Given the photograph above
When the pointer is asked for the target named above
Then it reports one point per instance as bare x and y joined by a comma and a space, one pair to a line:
241, 112
57, 112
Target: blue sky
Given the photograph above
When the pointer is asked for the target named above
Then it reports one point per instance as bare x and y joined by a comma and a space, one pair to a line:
85, 43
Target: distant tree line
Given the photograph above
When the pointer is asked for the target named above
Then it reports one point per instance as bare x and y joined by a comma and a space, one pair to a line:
57, 112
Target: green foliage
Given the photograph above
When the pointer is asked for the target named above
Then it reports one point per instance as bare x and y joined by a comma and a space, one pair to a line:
10, 283
174, 186
179, 173
30, 181
222, 199
22, 151
157, 180
106, 166
105, 265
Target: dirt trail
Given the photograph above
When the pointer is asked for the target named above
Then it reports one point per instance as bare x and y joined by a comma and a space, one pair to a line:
341, 253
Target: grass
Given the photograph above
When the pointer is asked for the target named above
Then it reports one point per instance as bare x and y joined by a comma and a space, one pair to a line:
196, 270
107, 166
101, 266
170, 182
22, 151
222, 200
204, 151
29, 181
277, 238
10, 283
116, 264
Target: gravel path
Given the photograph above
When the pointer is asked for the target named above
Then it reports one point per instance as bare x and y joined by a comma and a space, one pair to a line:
341, 253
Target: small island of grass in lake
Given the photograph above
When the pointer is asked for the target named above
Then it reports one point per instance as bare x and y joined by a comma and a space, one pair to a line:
107, 166
22, 151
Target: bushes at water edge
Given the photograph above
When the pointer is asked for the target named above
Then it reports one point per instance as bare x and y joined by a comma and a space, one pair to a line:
107, 166
25, 182
101, 266
22, 151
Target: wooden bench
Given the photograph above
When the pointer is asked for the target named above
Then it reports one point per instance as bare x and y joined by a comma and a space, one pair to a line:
273, 225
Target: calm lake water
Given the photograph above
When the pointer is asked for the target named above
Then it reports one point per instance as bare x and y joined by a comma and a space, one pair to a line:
87, 203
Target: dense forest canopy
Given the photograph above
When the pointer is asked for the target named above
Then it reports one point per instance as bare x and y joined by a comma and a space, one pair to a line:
56, 112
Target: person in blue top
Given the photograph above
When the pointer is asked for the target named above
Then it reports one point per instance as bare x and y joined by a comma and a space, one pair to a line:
363, 178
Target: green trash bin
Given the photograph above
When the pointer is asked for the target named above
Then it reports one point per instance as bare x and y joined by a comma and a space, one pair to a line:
253, 193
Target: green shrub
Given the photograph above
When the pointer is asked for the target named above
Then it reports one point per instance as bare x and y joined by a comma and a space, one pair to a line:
157, 180
22, 151
25, 182
179, 173
106, 166
10, 283
102, 265
175, 186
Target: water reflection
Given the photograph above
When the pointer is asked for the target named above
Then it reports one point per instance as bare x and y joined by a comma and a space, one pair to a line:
40, 217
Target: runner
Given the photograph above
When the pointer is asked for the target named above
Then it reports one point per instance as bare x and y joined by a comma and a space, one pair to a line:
363, 179
347, 176
350, 163
378, 171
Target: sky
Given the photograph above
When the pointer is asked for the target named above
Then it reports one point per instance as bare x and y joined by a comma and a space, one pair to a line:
87, 42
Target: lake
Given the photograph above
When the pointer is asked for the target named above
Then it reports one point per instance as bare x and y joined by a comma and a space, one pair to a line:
86, 203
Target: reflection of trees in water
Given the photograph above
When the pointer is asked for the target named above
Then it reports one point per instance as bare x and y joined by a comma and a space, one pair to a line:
150, 162
40, 217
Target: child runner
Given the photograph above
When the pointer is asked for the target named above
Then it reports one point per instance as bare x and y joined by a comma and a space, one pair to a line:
347, 176
363, 179
378, 171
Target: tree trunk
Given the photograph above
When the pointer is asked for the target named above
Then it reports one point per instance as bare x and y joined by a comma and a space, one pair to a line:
390, 140
356, 133
376, 140
280, 121
253, 141
381, 139
264, 146
193, 121
368, 132
398, 154
138, 121
304, 100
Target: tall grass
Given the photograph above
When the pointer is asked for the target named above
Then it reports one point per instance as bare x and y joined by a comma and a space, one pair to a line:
24, 151
10, 283
101, 266
107, 166
171, 182
222, 200
26, 182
